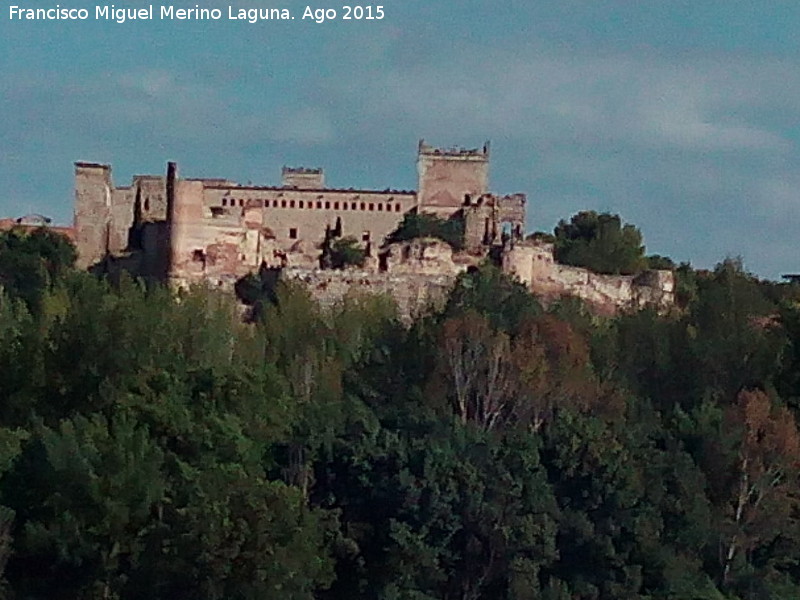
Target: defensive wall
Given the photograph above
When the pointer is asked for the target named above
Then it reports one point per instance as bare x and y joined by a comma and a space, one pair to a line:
419, 275
532, 262
188, 230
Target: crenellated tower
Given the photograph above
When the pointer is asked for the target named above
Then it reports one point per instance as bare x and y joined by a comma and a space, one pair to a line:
449, 176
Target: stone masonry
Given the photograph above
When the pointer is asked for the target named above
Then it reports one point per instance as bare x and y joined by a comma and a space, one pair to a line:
185, 231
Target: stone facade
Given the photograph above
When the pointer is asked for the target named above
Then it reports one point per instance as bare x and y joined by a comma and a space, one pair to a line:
214, 229
185, 231
450, 176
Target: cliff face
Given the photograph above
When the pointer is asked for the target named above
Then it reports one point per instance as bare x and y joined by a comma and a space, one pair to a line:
420, 273
533, 264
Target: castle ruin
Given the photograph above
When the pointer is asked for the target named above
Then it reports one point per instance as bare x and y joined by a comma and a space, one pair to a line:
183, 231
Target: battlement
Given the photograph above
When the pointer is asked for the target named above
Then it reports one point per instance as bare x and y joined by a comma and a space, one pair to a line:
303, 178
91, 165
302, 170
454, 151
448, 175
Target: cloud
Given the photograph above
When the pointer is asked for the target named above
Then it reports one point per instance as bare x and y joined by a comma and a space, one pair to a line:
647, 103
304, 126
696, 151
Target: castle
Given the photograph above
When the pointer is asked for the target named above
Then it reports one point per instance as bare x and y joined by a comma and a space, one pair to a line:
185, 231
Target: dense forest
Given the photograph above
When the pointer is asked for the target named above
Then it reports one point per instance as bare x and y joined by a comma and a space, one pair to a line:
157, 446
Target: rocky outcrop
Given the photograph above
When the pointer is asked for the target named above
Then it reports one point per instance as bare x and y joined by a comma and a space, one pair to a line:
533, 264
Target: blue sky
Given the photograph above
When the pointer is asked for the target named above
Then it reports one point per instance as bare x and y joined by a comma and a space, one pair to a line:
683, 117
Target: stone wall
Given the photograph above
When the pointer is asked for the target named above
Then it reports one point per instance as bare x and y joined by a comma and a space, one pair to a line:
533, 264
490, 219
213, 230
414, 294
93, 187
301, 214
448, 175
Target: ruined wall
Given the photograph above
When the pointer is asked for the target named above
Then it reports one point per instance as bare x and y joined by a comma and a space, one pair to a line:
204, 245
414, 294
122, 203
93, 188
490, 219
448, 176
424, 256
150, 192
533, 264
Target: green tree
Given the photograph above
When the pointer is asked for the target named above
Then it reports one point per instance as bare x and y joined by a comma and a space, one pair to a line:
423, 225
30, 262
601, 243
346, 252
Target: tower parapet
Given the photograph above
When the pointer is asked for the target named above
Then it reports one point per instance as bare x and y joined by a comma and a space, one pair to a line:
447, 176
303, 178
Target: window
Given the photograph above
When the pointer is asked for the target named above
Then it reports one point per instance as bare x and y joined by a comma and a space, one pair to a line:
363, 206
380, 206
396, 208
301, 204
319, 204
293, 233
283, 203
291, 203
371, 206
327, 205
224, 203
344, 205
365, 236
241, 202
274, 204
353, 206
335, 206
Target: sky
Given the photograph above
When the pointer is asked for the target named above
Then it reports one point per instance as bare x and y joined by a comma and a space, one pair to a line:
681, 116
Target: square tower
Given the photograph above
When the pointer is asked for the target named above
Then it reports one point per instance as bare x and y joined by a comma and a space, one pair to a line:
448, 175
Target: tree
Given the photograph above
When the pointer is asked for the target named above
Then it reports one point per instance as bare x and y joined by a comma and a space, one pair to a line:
30, 262
763, 494
346, 252
601, 243
423, 225
493, 294
477, 367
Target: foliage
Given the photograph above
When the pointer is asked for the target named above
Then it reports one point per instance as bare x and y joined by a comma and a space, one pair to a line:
423, 225
601, 243
542, 236
153, 445
658, 262
346, 252
30, 262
